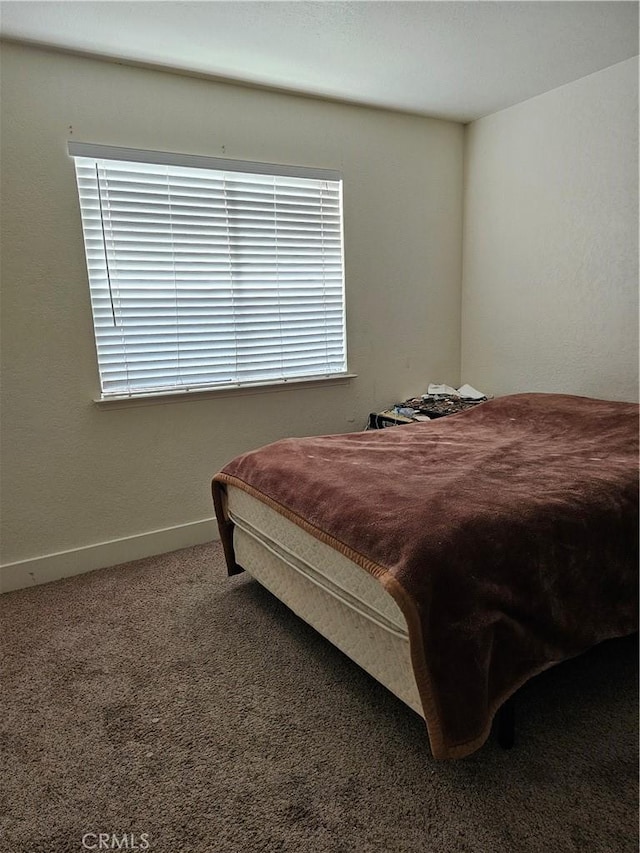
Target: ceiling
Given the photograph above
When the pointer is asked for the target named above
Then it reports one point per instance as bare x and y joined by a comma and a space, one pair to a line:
456, 60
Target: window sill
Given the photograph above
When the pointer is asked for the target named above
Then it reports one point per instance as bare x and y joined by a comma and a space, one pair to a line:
160, 398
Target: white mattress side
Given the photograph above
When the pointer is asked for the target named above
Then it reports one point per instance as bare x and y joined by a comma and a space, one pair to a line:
324, 565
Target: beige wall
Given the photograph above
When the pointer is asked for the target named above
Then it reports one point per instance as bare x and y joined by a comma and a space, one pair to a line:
550, 281
76, 475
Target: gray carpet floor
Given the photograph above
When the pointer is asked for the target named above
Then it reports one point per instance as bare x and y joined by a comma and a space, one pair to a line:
164, 698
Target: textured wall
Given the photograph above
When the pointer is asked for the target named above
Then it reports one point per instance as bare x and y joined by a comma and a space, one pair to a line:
75, 474
550, 281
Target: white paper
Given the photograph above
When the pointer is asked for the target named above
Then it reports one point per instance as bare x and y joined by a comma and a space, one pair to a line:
468, 392
445, 390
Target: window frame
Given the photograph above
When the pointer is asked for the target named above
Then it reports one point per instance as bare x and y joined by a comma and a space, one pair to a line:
162, 158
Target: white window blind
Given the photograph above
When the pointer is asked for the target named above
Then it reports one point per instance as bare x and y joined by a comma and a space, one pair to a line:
210, 273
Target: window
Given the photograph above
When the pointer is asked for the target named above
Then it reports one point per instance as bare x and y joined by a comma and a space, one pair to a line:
208, 273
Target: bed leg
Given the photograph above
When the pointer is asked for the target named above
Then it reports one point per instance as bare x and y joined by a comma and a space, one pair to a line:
506, 724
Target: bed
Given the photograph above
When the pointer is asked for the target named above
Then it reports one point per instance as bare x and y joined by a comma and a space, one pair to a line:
455, 559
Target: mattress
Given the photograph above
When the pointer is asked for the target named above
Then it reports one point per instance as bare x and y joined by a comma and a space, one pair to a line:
327, 590
506, 536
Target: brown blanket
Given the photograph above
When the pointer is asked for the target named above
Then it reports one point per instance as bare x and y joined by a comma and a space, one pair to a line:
507, 534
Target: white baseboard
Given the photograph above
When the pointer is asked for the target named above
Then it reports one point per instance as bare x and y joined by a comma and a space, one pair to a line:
51, 567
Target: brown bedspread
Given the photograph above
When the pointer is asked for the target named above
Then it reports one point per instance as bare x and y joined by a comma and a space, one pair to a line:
507, 534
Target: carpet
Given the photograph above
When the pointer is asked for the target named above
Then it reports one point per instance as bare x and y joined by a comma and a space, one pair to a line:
162, 706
